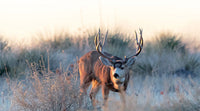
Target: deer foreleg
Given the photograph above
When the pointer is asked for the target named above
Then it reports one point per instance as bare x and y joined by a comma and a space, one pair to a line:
105, 93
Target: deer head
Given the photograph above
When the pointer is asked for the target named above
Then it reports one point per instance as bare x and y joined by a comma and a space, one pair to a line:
119, 66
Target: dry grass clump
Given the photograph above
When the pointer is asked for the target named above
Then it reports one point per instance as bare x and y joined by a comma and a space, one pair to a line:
48, 92
60, 91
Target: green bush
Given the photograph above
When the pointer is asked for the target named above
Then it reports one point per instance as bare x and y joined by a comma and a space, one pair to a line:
191, 63
170, 42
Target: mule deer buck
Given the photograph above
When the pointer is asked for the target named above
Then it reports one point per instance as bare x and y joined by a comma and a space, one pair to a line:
105, 70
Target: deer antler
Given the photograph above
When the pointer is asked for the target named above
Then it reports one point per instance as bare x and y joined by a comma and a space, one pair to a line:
101, 52
139, 44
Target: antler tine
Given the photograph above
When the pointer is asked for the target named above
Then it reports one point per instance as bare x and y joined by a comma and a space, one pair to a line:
139, 44
100, 45
97, 40
141, 38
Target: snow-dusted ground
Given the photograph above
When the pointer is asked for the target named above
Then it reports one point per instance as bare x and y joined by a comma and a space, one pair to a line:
142, 93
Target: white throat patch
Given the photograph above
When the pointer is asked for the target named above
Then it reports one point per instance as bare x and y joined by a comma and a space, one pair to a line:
121, 74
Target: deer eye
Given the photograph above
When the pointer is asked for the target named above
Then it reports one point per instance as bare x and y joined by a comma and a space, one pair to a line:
122, 68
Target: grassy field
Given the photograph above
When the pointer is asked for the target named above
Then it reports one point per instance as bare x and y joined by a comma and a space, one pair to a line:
45, 76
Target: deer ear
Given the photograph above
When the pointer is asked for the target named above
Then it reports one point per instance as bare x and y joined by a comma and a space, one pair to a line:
131, 61
105, 61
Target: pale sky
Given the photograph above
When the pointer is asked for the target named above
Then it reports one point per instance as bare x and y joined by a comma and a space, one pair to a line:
24, 18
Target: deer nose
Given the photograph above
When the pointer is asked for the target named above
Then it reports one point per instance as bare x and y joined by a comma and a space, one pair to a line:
116, 75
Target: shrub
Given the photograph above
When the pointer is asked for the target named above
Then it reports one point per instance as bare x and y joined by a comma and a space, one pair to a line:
118, 44
170, 42
191, 63
3, 45
53, 91
4, 49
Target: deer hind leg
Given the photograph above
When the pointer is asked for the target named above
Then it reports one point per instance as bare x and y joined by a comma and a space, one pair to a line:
85, 82
85, 79
94, 91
